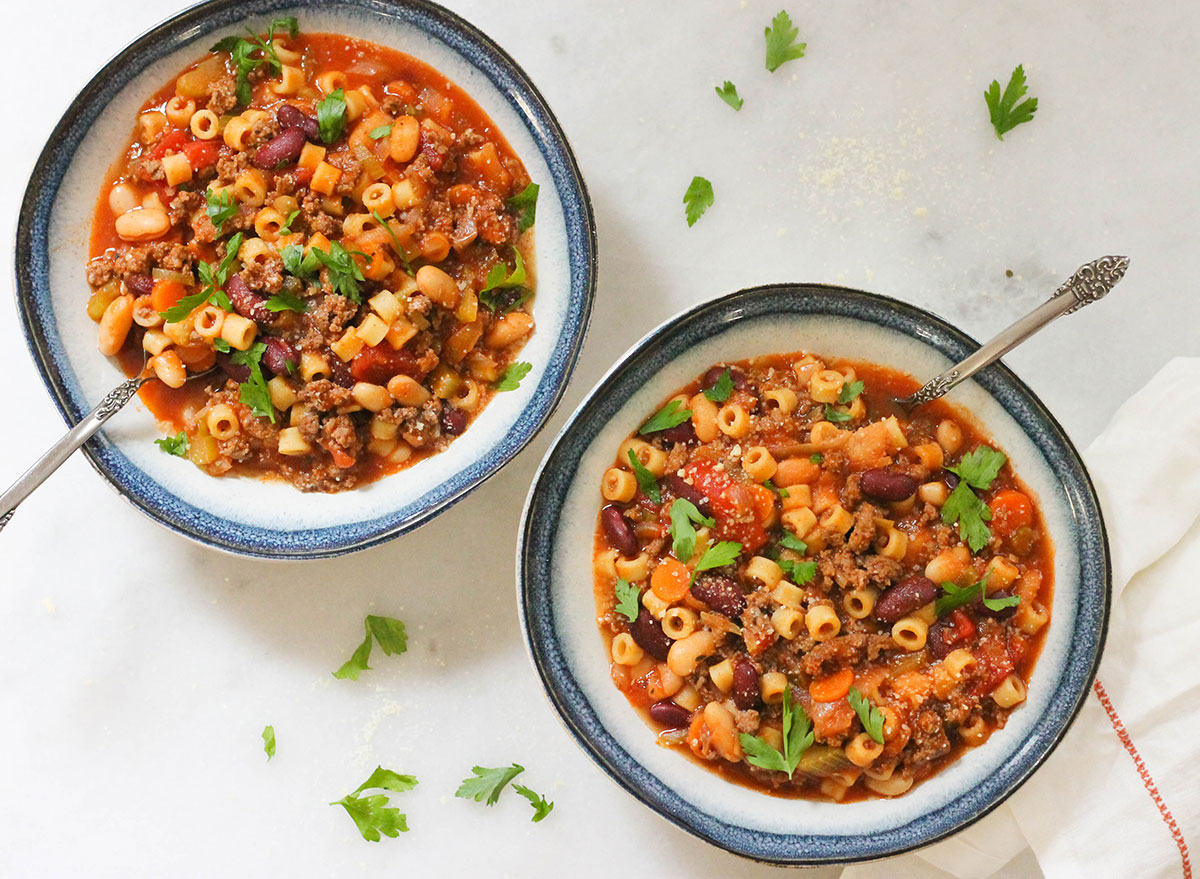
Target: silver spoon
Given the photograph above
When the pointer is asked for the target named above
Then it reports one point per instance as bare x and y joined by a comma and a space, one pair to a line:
112, 403
1091, 282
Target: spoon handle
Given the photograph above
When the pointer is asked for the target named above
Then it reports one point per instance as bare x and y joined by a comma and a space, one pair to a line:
1090, 283
65, 447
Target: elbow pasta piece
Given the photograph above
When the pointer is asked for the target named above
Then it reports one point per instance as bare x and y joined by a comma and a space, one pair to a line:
250, 187
733, 420
679, 622
765, 571
759, 463
291, 80
685, 653
822, 622
910, 633
862, 750
722, 675
618, 485
788, 622
330, 81
859, 603
1031, 617
635, 569
179, 110
292, 444
625, 650
825, 385
1011, 692
238, 331
892, 787
772, 685
783, 399
222, 422
704, 418
974, 732
652, 458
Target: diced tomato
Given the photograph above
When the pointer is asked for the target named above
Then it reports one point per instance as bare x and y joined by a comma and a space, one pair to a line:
172, 142
994, 664
201, 153
377, 365
340, 457
735, 506
1010, 510
831, 719
758, 641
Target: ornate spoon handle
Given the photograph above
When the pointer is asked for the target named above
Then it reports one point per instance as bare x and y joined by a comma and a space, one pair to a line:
65, 447
1091, 282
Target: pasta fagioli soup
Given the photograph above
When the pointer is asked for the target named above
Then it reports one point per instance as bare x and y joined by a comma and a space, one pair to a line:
810, 590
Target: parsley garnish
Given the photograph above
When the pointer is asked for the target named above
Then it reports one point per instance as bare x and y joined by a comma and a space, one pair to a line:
1005, 112
957, 596
541, 808
781, 42
872, 718
220, 207
331, 116
683, 534
285, 301
286, 228
297, 262
372, 815
816, 458
836, 415
253, 392
849, 392
977, 469
782, 492
797, 738
794, 543
248, 55
268, 737
395, 241
380, 131
212, 279
524, 203
222, 346
628, 598
645, 479
392, 638
698, 198
798, 572
671, 415
488, 784
728, 94
718, 555
722, 388
511, 380
174, 445
498, 276
344, 273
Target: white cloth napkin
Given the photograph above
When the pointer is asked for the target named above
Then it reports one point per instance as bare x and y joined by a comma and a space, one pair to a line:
1120, 797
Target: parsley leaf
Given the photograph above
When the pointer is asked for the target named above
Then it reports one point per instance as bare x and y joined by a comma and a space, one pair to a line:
794, 543
797, 738
388, 632
249, 55
1005, 112
722, 388
268, 737
511, 380
728, 94
286, 228
222, 346
849, 392
331, 116
872, 718
380, 131
980, 467
628, 599
344, 273
782, 492
816, 458
220, 207
386, 779
253, 392
524, 203
836, 416
781, 42
174, 445
395, 241
698, 198
373, 816
498, 276
297, 262
488, 784
285, 301
971, 514
671, 415
541, 808
646, 481
954, 596
683, 534
798, 572
212, 280
718, 555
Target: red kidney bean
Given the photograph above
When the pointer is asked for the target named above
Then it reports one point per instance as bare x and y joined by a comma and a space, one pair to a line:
670, 715
680, 433
887, 485
649, 635
951, 479
283, 149
245, 301
290, 116
235, 371
948, 633
1001, 614
679, 488
746, 689
618, 531
453, 420
340, 373
721, 594
905, 597
714, 375
140, 285
278, 355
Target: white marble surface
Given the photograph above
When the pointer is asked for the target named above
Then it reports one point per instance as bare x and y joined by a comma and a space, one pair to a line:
137, 670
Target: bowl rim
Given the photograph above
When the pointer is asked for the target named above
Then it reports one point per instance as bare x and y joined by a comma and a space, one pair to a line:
535, 603
158, 501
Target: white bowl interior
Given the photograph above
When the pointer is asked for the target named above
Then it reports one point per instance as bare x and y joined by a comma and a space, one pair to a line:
273, 504
583, 646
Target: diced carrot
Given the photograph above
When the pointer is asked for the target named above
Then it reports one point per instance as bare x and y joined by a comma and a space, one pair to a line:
832, 687
165, 294
340, 458
1010, 510
764, 503
670, 580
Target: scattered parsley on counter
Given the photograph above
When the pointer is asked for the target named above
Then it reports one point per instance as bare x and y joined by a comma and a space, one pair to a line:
728, 94
628, 598
684, 516
1006, 113
723, 387
645, 479
671, 415
487, 784
331, 116
871, 717
511, 380
174, 445
781, 42
268, 737
388, 632
524, 203
698, 198
372, 814
797, 738
541, 808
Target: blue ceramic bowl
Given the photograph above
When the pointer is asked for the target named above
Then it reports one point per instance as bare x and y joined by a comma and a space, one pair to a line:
558, 610
272, 519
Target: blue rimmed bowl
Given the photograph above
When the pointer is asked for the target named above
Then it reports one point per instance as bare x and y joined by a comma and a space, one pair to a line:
559, 615
271, 519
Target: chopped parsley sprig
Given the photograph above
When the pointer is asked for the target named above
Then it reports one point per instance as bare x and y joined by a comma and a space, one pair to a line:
781, 41
721, 388
954, 597
388, 632
718, 555
671, 415
485, 785
797, 738
729, 94
872, 718
372, 814
254, 391
628, 599
268, 737
331, 116
976, 470
524, 204
511, 380
684, 516
698, 198
174, 445
248, 55
212, 280
1006, 114
645, 479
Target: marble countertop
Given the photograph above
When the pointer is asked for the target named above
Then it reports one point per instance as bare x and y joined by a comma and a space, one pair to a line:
138, 670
